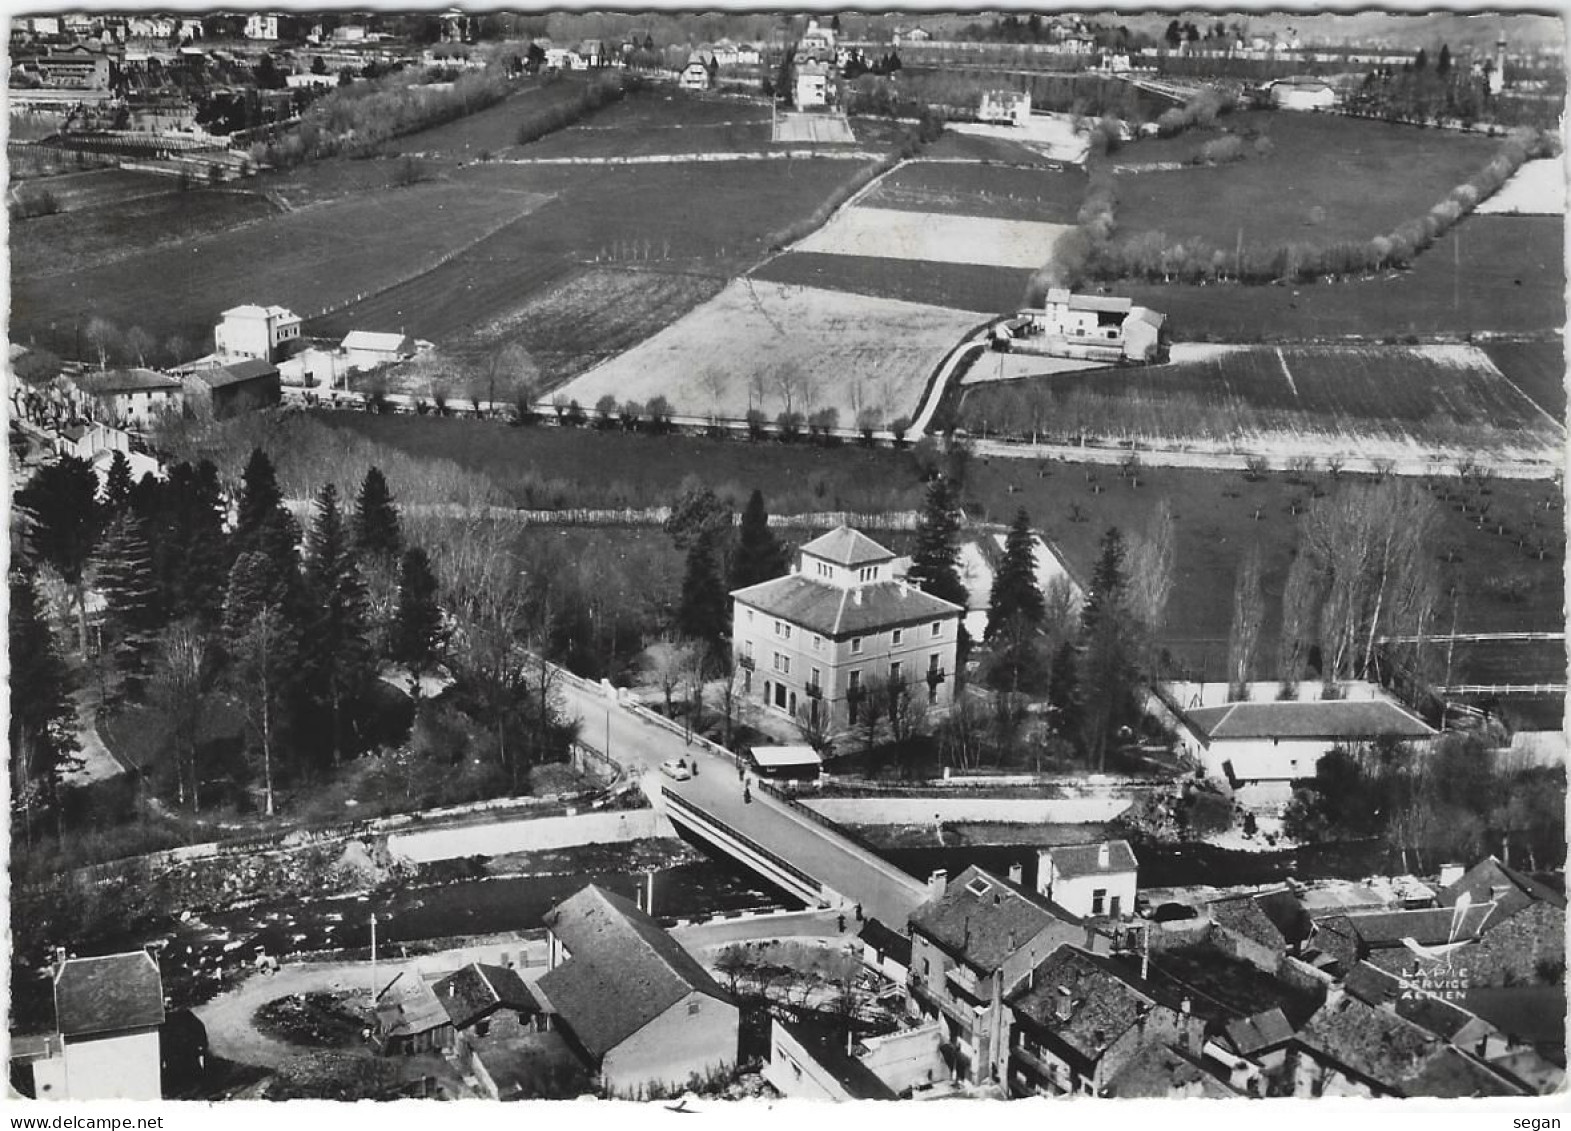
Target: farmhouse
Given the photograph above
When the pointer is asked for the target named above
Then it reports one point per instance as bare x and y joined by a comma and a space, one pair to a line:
1004, 107
108, 1011
1302, 93
131, 398
631, 1002
694, 75
261, 25
1275, 741
220, 391
818, 639
816, 40
257, 332
1096, 327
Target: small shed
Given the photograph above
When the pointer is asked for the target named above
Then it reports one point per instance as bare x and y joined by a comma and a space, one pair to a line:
787, 763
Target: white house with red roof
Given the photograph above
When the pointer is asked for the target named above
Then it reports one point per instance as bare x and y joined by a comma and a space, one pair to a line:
838, 625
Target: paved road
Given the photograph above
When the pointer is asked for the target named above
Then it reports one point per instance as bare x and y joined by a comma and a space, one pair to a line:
884, 891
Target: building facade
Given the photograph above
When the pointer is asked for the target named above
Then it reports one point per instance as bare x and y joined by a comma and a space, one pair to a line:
1092, 881
840, 627
257, 333
132, 398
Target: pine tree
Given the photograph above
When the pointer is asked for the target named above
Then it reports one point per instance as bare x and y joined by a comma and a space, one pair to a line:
760, 556
263, 649
62, 499
117, 486
935, 564
702, 613
133, 606
260, 499
1016, 598
1106, 673
417, 629
337, 638
42, 731
378, 534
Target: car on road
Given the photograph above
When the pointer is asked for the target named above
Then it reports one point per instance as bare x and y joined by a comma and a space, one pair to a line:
676, 769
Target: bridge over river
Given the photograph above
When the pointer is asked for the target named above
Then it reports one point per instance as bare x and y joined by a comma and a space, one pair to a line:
791, 847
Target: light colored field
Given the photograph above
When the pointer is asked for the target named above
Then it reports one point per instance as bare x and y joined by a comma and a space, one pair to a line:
1051, 135
886, 233
817, 129
770, 345
1538, 188
992, 367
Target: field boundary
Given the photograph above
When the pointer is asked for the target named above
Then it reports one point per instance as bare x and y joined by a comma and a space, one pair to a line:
697, 158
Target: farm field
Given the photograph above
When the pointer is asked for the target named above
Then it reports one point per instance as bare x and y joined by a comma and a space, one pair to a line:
304, 260
935, 237
76, 191
1537, 368
1215, 512
1049, 195
90, 236
587, 316
960, 286
1327, 179
1049, 135
493, 130
809, 128
650, 122
781, 348
969, 149
994, 367
1321, 400
1489, 274
716, 220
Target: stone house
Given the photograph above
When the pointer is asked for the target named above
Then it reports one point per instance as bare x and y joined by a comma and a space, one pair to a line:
817, 639
637, 1008
1166, 1072
131, 398
1078, 1020
486, 1002
972, 943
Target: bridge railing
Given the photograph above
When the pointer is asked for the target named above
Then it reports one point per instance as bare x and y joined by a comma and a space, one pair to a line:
676, 801
815, 816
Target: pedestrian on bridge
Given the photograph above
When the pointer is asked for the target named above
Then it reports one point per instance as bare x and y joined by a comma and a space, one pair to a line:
747, 795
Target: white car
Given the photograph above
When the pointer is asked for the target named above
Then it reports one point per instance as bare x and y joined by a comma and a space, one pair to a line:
676, 769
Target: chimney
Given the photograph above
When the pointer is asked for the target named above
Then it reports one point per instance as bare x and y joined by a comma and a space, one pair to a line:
1063, 1004
1016, 873
1185, 1006
936, 883
856, 597
1450, 874
1102, 856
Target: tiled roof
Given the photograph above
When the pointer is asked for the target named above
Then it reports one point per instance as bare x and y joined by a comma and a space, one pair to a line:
1375, 1043
469, 993
1453, 1075
1080, 1002
1515, 891
1242, 915
1260, 1032
379, 343
624, 970
533, 1066
848, 547
1108, 303
834, 611
1075, 860
125, 381
1331, 719
859, 1081
1160, 1072
409, 1007
235, 372
1286, 911
1430, 926
983, 919
111, 994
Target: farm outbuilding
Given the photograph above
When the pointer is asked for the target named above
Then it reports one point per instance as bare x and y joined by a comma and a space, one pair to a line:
1302, 94
1096, 327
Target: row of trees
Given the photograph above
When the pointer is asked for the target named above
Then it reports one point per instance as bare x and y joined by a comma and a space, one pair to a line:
1090, 250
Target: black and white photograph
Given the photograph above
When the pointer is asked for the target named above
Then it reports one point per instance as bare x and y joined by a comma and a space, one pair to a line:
712, 559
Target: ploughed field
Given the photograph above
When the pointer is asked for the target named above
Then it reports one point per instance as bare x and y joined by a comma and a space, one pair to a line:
1449, 401
1537, 368
1051, 195
778, 348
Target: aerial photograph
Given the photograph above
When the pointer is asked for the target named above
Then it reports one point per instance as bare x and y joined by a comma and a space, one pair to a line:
710, 558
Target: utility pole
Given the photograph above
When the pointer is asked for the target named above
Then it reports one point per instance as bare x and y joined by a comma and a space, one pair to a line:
373, 963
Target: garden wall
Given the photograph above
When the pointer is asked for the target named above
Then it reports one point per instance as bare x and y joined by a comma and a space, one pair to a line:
924, 810
526, 835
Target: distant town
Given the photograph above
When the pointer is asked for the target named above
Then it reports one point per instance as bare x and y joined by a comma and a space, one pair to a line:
733, 557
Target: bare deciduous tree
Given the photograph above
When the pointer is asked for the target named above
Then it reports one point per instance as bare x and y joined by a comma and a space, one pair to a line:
1248, 614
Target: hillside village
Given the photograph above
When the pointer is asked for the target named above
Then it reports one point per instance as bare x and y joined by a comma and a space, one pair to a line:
734, 557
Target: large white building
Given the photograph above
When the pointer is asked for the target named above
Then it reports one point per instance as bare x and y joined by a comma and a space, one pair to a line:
108, 1011
257, 333
840, 623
